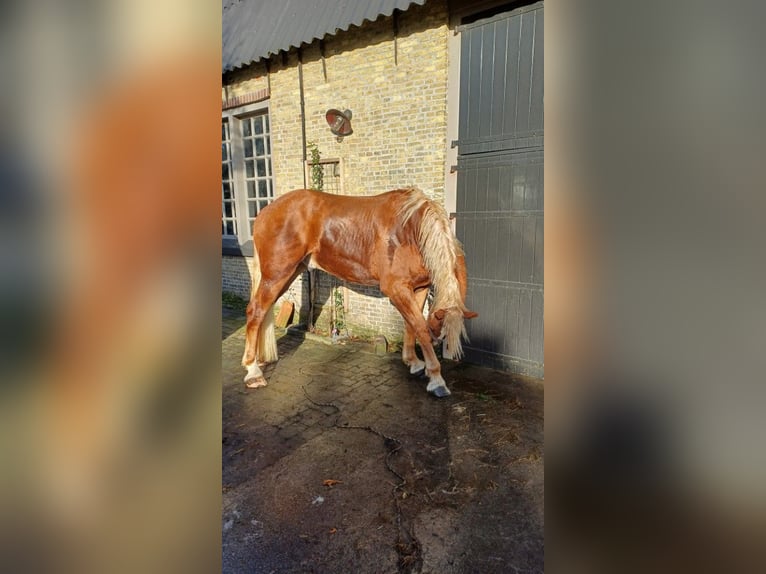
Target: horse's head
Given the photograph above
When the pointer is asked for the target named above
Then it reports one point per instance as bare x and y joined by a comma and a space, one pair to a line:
448, 324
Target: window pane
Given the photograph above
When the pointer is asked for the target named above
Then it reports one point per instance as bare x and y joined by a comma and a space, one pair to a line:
225, 171
255, 190
224, 131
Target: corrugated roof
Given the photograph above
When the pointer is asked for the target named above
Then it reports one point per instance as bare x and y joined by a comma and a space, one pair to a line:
256, 29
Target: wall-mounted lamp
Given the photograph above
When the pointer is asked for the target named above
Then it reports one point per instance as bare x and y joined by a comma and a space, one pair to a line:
339, 122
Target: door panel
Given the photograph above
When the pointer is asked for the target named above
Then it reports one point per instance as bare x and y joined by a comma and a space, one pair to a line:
500, 200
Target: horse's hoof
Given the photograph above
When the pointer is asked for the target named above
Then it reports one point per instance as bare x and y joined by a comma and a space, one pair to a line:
419, 374
255, 383
440, 391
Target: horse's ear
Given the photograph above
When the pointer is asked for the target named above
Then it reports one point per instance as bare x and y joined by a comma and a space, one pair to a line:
439, 314
470, 314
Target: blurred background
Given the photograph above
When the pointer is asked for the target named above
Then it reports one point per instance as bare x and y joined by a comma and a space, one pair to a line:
655, 265
109, 282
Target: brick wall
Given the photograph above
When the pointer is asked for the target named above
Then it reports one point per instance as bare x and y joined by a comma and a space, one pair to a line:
367, 310
236, 275
248, 80
399, 119
399, 110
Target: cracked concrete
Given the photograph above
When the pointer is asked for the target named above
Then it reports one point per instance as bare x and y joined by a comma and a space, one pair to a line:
472, 464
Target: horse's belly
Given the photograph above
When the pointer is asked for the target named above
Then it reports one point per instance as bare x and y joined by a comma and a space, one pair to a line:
343, 268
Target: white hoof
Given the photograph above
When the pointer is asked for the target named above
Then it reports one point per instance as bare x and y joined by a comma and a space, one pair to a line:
418, 367
438, 388
254, 377
255, 383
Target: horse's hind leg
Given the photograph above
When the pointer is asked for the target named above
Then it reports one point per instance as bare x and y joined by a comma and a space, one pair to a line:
260, 340
409, 355
256, 313
404, 299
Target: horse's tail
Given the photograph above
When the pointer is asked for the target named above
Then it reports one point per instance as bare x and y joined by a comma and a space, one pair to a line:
267, 339
440, 250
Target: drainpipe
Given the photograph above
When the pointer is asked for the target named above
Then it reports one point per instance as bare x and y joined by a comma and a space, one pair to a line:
303, 113
312, 277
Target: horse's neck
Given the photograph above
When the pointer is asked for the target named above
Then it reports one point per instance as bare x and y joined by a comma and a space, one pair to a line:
461, 275
446, 297
442, 256
450, 287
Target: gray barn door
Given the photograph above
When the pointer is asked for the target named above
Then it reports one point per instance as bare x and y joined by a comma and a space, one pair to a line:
499, 215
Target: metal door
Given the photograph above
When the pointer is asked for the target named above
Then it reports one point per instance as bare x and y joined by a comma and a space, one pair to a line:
499, 214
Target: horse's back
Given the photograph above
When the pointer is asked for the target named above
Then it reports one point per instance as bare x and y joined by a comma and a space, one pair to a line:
321, 198
303, 206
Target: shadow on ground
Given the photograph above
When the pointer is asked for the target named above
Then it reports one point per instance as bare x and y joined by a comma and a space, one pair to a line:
431, 485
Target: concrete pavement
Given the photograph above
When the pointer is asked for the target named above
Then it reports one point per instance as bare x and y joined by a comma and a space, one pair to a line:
344, 464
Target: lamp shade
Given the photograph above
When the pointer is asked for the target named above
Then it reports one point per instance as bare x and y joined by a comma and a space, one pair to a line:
339, 122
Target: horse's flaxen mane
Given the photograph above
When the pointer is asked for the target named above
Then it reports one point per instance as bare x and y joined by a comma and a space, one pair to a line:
439, 249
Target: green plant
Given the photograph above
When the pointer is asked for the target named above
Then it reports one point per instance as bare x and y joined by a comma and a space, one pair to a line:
233, 301
340, 310
317, 171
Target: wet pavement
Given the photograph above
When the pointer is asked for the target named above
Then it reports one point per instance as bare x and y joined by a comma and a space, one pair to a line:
344, 464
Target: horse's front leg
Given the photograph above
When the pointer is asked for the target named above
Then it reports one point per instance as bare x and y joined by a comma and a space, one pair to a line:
409, 355
404, 299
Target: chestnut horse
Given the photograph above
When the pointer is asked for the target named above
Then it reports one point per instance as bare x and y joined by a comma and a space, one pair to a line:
399, 240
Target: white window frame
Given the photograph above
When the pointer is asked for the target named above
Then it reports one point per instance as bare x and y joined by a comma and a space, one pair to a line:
242, 244
228, 181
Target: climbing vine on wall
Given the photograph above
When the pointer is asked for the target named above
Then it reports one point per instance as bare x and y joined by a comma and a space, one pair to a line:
317, 171
340, 310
